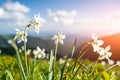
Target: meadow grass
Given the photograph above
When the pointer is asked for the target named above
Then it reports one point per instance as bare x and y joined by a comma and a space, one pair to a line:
42, 68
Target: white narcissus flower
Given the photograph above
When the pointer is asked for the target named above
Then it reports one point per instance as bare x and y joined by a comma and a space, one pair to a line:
20, 50
104, 53
111, 62
67, 64
20, 36
103, 63
59, 38
61, 61
40, 54
0, 51
10, 41
28, 52
37, 22
96, 43
118, 63
47, 56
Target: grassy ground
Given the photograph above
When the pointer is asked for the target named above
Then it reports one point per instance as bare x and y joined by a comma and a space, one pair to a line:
84, 70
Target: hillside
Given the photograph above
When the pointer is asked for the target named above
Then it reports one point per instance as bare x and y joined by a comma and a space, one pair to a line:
113, 41
44, 42
66, 49
31, 44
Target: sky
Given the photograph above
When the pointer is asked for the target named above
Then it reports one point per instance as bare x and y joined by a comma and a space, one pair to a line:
71, 16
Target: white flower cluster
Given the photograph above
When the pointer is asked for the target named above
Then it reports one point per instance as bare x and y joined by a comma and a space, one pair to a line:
61, 61
36, 23
39, 53
103, 52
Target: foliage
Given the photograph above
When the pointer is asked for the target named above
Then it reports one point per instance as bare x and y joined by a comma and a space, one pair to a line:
10, 63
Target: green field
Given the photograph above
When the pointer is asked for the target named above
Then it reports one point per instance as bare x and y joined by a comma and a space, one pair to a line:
83, 68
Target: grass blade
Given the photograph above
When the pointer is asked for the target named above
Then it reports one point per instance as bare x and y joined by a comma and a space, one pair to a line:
9, 74
51, 66
74, 47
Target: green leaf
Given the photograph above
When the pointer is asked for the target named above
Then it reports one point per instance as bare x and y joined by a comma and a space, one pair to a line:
9, 74
51, 66
105, 75
74, 47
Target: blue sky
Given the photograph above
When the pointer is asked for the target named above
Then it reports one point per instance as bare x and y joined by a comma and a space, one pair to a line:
70, 16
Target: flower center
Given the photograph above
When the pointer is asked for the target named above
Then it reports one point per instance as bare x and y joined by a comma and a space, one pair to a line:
20, 35
105, 53
37, 23
59, 37
96, 43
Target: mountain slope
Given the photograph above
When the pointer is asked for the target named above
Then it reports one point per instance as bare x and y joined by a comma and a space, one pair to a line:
113, 41
33, 42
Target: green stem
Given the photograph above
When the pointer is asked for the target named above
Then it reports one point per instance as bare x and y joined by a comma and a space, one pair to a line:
82, 52
26, 60
51, 76
110, 67
20, 66
19, 61
75, 72
54, 60
74, 47
62, 70
33, 72
95, 65
56, 50
55, 56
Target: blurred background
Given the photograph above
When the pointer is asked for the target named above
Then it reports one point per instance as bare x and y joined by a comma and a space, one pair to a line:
76, 18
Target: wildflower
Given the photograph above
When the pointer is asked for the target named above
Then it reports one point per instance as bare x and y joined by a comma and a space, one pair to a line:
37, 22
103, 63
20, 50
118, 63
67, 64
75, 69
111, 62
47, 56
13, 44
39, 53
0, 51
61, 61
28, 51
20, 36
96, 43
59, 38
104, 53
10, 41
69, 59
